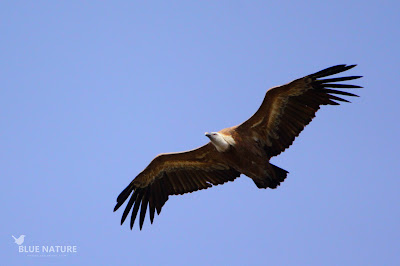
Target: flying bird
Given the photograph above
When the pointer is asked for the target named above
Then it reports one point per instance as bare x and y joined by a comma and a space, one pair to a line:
243, 149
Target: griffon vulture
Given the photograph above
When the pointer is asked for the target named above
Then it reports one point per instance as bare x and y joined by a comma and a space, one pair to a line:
243, 149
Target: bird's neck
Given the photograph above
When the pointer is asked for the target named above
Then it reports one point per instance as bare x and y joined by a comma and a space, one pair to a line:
220, 144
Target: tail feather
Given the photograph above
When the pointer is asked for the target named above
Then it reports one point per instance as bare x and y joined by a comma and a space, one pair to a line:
273, 180
280, 174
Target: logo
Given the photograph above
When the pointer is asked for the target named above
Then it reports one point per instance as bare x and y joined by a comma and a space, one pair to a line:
20, 240
43, 250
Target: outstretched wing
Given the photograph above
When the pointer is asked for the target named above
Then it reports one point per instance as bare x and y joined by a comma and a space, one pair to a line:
173, 174
287, 109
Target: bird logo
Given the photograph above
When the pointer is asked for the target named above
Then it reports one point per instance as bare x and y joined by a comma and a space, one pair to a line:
19, 240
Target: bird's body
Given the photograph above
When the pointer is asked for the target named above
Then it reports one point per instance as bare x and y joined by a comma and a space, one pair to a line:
19, 240
245, 154
243, 149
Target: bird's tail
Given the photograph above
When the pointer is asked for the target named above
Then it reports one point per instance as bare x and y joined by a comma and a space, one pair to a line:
275, 176
14, 237
280, 174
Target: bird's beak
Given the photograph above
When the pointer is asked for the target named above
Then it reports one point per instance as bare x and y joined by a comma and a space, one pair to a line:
207, 134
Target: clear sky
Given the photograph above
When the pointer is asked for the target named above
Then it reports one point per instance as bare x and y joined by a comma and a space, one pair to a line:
91, 91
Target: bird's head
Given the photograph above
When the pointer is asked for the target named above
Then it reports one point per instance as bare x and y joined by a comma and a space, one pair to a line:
211, 134
218, 141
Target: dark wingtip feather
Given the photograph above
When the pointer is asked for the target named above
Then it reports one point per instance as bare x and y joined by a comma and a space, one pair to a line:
152, 209
136, 207
333, 97
331, 71
153, 198
339, 92
143, 209
125, 193
122, 197
117, 206
129, 206
344, 86
320, 81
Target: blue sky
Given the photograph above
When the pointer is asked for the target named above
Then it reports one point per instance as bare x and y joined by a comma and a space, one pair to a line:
92, 91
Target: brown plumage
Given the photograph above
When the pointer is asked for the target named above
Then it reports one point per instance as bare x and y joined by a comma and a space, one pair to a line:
243, 149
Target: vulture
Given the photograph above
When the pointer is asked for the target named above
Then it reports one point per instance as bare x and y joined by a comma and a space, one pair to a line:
243, 149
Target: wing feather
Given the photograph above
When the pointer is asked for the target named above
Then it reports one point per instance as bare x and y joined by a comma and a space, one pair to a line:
173, 174
143, 208
287, 109
129, 206
152, 207
136, 206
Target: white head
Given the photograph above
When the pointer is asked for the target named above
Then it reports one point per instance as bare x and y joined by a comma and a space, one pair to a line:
218, 141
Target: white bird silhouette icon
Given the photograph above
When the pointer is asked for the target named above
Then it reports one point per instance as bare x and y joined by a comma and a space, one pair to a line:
19, 240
